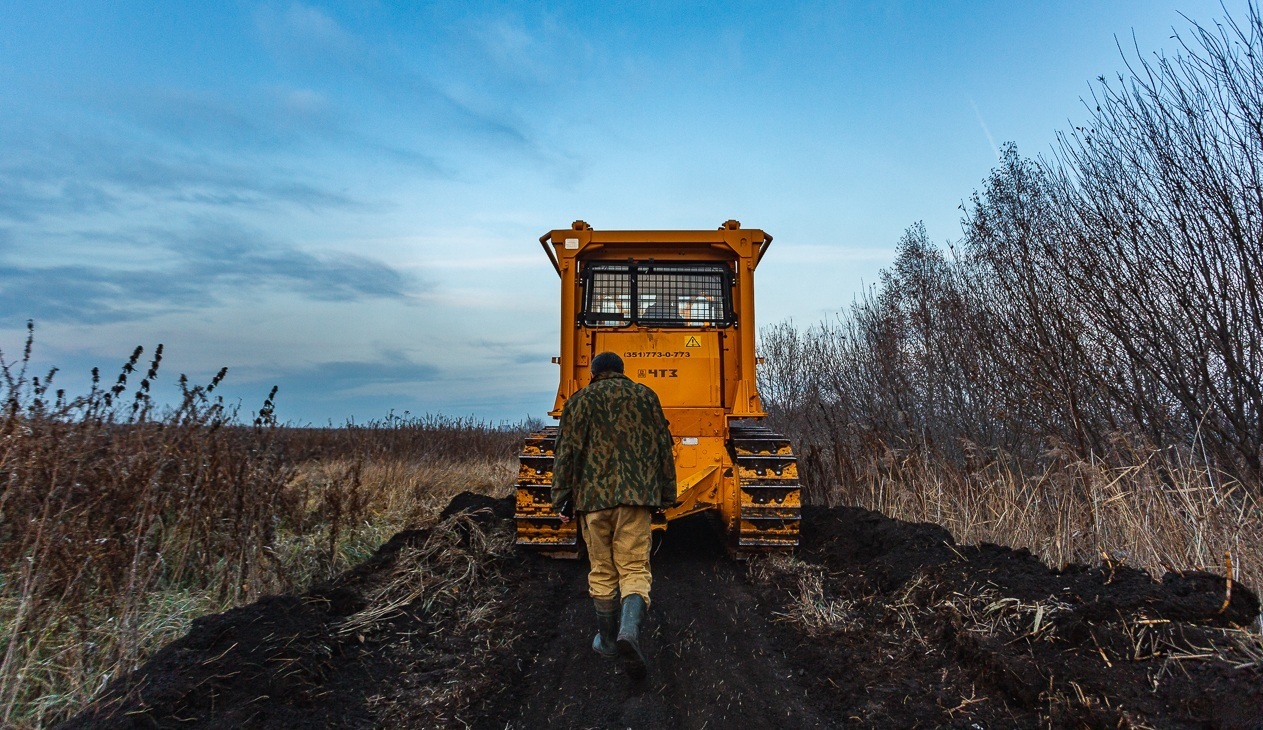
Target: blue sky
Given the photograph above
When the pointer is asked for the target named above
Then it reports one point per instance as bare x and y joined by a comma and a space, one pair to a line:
344, 199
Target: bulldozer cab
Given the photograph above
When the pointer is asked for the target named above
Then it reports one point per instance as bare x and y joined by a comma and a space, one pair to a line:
678, 308
667, 324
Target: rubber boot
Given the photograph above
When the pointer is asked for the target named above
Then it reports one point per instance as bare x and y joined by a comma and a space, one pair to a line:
629, 636
606, 627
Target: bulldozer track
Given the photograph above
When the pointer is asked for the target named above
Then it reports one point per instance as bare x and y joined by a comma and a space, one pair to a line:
767, 474
538, 526
766, 470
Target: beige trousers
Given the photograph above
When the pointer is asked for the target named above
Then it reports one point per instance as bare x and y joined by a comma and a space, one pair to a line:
618, 542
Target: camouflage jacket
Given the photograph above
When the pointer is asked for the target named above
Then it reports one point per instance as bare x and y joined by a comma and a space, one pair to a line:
613, 448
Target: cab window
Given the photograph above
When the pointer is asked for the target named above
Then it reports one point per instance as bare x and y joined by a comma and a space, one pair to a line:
657, 295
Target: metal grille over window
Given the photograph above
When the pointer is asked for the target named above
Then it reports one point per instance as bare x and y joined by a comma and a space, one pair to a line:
609, 297
664, 295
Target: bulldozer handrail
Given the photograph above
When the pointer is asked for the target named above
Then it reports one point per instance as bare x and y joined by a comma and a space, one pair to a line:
552, 257
767, 241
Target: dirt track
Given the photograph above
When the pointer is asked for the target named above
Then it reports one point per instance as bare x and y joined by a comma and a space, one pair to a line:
899, 628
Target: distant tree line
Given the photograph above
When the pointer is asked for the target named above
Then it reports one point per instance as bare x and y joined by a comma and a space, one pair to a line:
1109, 291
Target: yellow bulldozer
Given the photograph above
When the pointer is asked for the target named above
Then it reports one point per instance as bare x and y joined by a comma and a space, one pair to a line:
678, 307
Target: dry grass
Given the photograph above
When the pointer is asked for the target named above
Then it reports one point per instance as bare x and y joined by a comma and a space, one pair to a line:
374, 501
447, 569
1165, 512
809, 606
450, 574
63, 651
917, 611
120, 523
1160, 512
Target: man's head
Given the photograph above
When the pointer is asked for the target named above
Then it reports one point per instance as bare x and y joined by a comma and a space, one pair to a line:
606, 362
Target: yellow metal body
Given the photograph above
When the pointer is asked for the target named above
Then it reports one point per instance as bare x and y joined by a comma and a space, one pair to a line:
703, 374
732, 395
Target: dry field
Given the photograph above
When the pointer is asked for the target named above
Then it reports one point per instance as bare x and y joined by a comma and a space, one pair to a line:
873, 622
1163, 511
121, 524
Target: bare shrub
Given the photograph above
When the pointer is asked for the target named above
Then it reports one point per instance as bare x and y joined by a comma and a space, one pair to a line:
1160, 199
1083, 371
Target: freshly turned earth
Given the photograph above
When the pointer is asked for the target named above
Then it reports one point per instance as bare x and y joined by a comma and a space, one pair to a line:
925, 633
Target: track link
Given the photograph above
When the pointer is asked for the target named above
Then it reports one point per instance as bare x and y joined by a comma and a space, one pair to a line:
767, 477
538, 526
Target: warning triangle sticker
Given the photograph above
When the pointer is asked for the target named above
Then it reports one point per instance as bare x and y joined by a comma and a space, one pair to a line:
692, 342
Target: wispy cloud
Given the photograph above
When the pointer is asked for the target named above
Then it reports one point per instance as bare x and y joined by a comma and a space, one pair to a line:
482, 262
196, 270
51, 176
391, 372
91, 295
230, 254
27, 195
514, 352
477, 111
985, 129
304, 30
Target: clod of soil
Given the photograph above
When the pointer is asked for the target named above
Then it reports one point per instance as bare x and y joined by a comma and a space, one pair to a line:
874, 623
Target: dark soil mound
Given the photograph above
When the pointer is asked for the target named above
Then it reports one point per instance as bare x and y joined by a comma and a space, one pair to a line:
480, 507
232, 667
876, 623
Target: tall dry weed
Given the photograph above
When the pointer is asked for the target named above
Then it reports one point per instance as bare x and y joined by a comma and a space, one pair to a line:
350, 508
120, 521
1151, 509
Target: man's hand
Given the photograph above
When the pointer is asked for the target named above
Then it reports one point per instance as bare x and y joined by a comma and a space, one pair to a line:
566, 513
565, 519
661, 509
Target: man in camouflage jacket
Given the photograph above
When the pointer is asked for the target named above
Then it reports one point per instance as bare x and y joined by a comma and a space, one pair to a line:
613, 467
